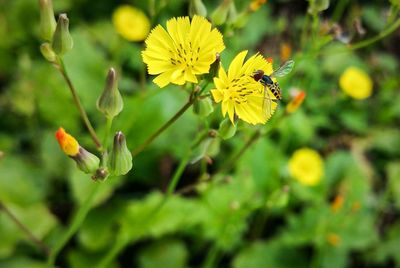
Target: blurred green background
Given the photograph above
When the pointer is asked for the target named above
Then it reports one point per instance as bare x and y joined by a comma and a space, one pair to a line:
254, 215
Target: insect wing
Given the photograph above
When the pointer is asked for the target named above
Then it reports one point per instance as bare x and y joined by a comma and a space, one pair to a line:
284, 69
267, 102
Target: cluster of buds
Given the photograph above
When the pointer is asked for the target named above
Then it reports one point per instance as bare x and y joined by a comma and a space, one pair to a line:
57, 38
116, 162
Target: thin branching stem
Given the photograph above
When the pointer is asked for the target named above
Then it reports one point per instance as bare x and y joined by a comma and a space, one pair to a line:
61, 67
26, 230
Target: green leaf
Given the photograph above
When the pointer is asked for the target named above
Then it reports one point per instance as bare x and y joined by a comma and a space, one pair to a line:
164, 253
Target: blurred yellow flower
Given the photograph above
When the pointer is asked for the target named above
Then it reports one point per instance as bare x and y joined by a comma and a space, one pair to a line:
185, 50
306, 166
256, 4
356, 83
333, 239
131, 23
240, 93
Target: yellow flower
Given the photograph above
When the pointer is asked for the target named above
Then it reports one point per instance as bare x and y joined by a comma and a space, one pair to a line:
131, 23
185, 50
68, 144
240, 93
256, 4
306, 166
356, 83
334, 239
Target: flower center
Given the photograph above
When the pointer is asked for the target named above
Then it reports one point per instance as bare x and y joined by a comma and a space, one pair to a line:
243, 87
186, 55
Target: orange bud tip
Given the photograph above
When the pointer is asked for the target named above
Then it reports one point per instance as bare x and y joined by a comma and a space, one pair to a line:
269, 60
67, 143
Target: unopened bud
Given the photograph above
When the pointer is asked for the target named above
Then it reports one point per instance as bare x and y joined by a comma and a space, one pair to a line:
47, 52
226, 129
203, 107
47, 20
197, 7
86, 161
214, 68
62, 39
120, 160
296, 102
220, 14
110, 102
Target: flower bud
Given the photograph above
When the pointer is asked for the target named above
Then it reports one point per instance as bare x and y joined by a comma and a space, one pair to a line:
62, 39
47, 20
226, 129
296, 102
220, 14
214, 68
197, 7
120, 160
110, 102
86, 161
203, 107
47, 52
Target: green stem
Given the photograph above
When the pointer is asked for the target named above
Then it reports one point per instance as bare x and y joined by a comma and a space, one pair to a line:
163, 127
107, 133
121, 243
378, 37
339, 8
178, 173
85, 118
211, 258
25, 229
75, 224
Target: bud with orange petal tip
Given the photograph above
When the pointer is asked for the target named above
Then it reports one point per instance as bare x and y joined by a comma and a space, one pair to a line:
296, 102
337, 203
285, 51
86, 161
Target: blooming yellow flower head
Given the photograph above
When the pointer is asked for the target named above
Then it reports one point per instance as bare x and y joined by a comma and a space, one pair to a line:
131, 23
240, 93
68, 144
306, 166
186, 49
356, 83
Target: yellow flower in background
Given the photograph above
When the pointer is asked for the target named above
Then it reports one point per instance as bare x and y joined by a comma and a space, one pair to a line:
306, 166
131, 23
256, 4
356, 83
68, 144
240, 93
186, 49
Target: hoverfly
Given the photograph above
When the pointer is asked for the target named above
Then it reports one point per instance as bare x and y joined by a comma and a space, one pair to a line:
273, 87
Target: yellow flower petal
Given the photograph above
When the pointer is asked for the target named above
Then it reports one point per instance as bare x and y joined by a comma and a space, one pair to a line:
131, 23
356, 83
183, 51
306, 166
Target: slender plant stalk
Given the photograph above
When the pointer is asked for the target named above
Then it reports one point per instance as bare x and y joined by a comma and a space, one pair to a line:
378, 37
85, 118
211, 257
122, 242
25, 229
163, 127
77, 221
